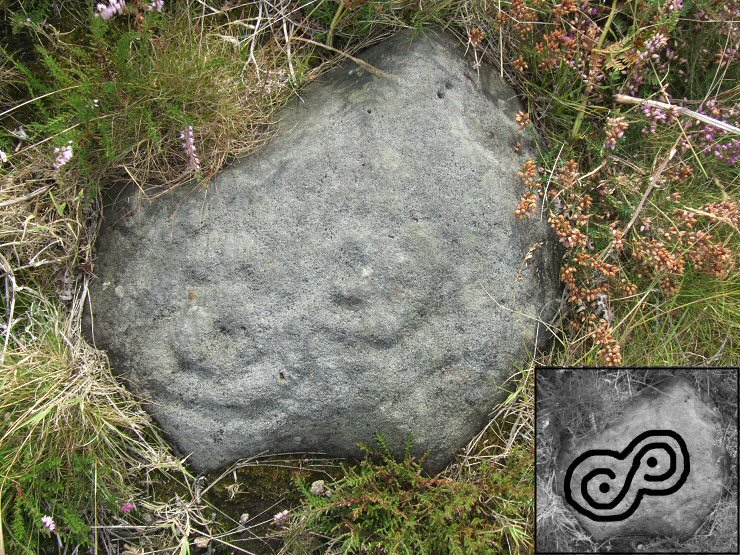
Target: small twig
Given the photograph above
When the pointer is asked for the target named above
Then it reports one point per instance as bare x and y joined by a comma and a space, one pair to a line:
253, 40
634, 167
213, 10
24, 198
288, 53
202, 26
653, 181
95, 504
594, 171
549, 179
9, 278
718, 354
362, 63
625, 99
714, 217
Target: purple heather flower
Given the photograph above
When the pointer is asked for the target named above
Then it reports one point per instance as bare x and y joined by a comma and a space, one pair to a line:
654, 45
111, 9
188, 144
49, 523
156, 6
64, 155
128, 507
707, 137
281, 518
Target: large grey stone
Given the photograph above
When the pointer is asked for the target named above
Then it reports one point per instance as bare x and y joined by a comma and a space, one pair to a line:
363, 273
675, 500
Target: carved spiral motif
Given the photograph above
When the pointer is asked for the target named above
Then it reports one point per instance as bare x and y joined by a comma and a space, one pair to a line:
606, 485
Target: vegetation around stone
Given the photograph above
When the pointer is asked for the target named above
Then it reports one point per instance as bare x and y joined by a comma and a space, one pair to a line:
637, 107
391, 506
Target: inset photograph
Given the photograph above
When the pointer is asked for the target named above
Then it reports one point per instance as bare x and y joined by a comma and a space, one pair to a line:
636, 460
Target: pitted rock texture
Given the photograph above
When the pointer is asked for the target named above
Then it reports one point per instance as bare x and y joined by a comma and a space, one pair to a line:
363, 273
676, 407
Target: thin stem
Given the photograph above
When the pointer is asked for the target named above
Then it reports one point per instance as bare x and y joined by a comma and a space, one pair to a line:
651, 186
34, 99
334, 23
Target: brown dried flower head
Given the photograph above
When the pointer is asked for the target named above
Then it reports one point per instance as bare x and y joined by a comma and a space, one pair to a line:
522, 119
476, 36
527, 206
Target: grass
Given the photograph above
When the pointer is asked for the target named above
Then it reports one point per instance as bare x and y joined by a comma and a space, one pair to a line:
601, 399
644, 205
71, 434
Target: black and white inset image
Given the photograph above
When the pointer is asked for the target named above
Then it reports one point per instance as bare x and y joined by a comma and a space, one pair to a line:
637, 460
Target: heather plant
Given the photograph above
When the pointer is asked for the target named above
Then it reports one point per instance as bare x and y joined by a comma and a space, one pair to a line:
389, 505
134, 56
642, 125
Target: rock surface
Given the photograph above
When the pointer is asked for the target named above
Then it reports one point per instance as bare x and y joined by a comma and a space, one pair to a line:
363, 273
676, 500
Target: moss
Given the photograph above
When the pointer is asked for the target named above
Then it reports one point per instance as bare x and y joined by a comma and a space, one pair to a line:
385, 505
